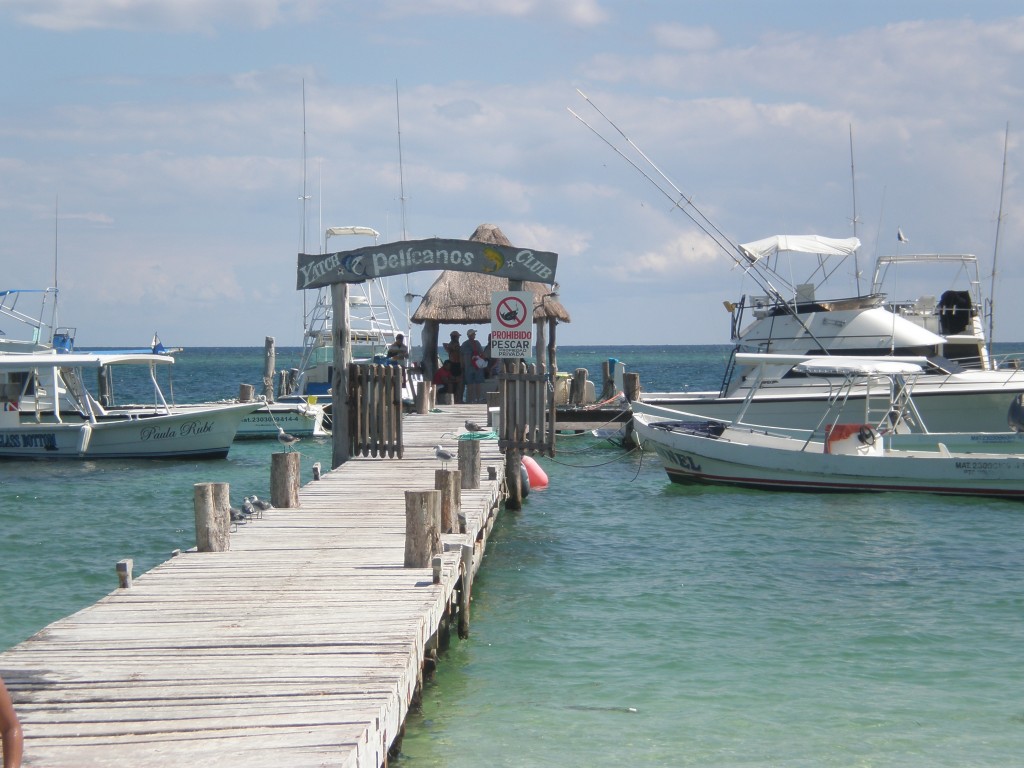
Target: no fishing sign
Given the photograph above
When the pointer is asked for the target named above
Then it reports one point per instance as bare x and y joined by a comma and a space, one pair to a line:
511, 324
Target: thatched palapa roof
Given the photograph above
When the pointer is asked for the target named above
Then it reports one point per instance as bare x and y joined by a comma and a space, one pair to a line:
464, 298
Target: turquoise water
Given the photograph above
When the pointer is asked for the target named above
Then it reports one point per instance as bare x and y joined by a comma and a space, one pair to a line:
623, 620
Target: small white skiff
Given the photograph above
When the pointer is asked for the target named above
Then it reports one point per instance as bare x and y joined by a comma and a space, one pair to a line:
47, 411
893, 454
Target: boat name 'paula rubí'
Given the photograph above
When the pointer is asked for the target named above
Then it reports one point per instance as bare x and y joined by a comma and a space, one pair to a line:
403, 257
187, 429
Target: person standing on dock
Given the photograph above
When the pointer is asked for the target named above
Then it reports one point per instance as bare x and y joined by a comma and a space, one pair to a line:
10, 729
454, 352
472, 373
398, 354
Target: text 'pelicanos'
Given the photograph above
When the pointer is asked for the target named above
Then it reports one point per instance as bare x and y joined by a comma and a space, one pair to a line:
403, 257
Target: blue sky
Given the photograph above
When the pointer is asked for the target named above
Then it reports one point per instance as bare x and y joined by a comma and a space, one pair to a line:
167, 137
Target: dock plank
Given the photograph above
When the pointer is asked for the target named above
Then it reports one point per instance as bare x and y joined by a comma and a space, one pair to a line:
301, 646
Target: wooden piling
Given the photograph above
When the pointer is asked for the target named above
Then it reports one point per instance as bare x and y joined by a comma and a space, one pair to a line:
213, 516
631, 386
422, 528
284, 480
124, 573
449, 483
469, 463
246, 393
269, 363
423, 397
578, 388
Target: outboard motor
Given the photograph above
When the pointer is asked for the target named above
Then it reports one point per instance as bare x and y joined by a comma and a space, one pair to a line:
1015, 415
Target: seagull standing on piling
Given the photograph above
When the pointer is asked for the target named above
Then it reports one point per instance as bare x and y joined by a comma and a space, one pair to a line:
443, 455
472, 426
285, 439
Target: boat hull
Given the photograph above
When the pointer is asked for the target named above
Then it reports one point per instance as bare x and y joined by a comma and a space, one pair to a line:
200, 433
772, 462
976, 402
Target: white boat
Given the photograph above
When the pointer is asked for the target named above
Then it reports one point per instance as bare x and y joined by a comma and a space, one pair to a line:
373, 327
47, 411
895, 453
961, 389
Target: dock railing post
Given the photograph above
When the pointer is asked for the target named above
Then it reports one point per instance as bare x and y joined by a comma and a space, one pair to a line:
212, 502
422, 528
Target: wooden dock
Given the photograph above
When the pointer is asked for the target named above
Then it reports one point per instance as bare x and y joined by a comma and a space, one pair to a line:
303, 645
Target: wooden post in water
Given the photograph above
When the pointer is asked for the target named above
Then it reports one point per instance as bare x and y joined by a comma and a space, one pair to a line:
124, 573
466, 576
469, 463
631, 385
449, 483
514, 479
422, 528
245, 393
284, 479
212, 502
578, 388
269, 358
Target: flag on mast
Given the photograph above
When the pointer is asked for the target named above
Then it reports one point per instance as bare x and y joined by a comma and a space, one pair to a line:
900, 237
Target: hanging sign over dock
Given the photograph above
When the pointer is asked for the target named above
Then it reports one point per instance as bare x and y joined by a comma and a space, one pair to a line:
406, 256
511, 326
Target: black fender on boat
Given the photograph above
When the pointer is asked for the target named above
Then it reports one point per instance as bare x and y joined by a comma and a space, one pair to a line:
1015, 414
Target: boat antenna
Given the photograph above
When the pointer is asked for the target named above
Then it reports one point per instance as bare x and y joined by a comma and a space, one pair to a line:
303, 199
684, 204
56, 289
401, 173
995, 252
401, 198
853, 183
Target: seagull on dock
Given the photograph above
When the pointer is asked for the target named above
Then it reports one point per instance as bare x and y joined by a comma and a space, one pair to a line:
472, 426
443, 455
237, 515
285, 439
259, 504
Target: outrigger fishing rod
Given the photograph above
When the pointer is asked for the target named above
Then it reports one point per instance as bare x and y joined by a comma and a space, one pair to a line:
685, 204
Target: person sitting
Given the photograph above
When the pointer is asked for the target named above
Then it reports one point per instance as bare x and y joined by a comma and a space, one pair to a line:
443, 379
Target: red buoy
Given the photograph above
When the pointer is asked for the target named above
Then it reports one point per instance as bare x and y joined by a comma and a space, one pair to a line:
538, 477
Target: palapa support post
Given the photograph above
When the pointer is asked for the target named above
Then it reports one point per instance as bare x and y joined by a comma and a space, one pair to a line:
422, 528
246, 393
124, 573
212, 502
449, 483
284, 479
469, 463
